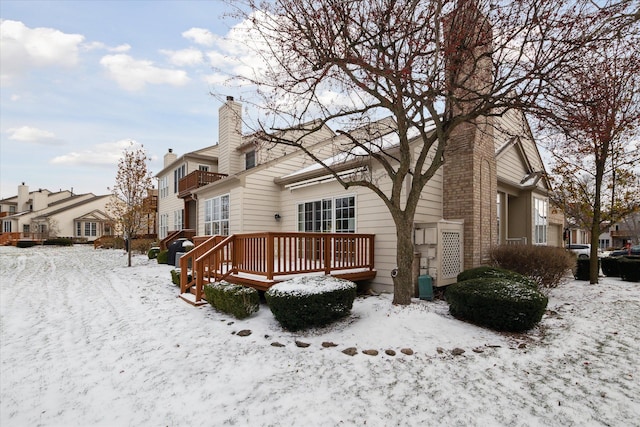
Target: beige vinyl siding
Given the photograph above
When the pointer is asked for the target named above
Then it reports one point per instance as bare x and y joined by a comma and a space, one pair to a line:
509, 166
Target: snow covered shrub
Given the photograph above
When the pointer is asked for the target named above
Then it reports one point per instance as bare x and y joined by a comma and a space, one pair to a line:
163, 257
26, 243
581, 272
610, 267
59, 241
499, 304
630, 268
545, 265
237, 300
153, 252
310, 301
486, 272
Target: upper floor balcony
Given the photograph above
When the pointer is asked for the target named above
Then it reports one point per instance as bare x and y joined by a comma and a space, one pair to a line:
196, 179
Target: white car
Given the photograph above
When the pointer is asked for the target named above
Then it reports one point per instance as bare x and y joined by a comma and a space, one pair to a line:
582, 250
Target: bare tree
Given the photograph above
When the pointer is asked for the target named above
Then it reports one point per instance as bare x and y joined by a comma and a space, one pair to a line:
595, 106
133, 182
433, 66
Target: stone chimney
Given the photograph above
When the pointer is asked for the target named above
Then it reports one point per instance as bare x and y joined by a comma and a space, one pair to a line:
230, 160
169, 157
469, 170
23, 198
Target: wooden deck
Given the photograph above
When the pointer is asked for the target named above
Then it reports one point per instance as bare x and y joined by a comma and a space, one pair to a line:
260, 260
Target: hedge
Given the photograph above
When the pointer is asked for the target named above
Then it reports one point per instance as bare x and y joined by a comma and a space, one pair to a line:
610, 267
500, 304
310, 301
581, 272
239, 301
630, 268
487, 272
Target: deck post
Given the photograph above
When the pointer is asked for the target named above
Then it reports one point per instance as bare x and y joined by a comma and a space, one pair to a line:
270, 255
327, 240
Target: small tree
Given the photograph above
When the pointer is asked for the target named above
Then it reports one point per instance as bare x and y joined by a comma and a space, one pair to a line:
133, 182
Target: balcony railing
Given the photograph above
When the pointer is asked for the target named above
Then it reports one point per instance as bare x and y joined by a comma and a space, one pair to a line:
197, 179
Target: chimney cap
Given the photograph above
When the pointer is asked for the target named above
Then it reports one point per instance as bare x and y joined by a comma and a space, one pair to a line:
171, 150
229, 98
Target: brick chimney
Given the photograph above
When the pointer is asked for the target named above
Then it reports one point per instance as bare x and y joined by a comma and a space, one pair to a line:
469, 170
230, 160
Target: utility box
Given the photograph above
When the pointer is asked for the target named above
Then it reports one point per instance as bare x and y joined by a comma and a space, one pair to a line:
425, 287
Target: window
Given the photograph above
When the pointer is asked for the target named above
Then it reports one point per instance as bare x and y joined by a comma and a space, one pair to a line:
90, 228
25, 228
178, 219
540, 221
78, 229
499, 215
203, 168
216, 216
163, 186
326, 215
178, 174
6, 226
12, 210
603, 244
250, 159
163, 228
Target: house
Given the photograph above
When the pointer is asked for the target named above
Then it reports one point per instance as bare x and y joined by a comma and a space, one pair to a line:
497, 194
43, 214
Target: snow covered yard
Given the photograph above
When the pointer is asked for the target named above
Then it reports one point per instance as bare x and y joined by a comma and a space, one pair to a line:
87, 341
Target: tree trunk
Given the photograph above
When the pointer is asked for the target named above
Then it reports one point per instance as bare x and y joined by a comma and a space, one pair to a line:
403, 282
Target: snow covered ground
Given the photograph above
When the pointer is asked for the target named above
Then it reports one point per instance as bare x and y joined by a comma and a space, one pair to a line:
87, 341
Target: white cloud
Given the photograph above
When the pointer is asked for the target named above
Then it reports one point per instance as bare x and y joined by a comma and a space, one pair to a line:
184, 57
22, 48
106, 154
102, 46
200, 36
132, 74
32, 135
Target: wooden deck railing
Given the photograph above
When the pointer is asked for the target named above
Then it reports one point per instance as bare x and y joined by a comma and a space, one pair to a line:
197, 179
268, 256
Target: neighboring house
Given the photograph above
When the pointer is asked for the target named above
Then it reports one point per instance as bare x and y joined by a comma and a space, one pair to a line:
492, 190
626, 230
42, 214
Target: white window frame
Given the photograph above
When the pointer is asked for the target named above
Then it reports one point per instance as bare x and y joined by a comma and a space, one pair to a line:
178, 174
163, 226
178, 219
540, 220
315, 216
216, 215
163, 186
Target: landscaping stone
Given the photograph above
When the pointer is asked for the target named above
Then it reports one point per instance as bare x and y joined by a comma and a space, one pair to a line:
457, 351
370, 352
328, 344
276, 344
390, 352
351, 351
244, 333
302, 344
406, 351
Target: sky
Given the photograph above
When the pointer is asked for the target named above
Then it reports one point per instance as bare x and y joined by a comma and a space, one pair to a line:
80, 80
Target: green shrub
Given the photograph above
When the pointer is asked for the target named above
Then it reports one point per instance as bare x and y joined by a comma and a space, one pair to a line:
500, 304
545, 265
630, 268
239, 301
26, 243
610, 267
59, 241
581, 272
486, 272
153, 252
163, 257
310, 301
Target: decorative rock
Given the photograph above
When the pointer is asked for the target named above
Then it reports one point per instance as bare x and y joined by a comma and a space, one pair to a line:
440, 350
230, 323
457, 351
406, 351
276, 344
351, 351
390, 352
327, 344
478, 350
244, 333
522, 345
302, 344
370, 352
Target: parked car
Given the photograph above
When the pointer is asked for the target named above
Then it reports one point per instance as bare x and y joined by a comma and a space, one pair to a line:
582, 250
635, 250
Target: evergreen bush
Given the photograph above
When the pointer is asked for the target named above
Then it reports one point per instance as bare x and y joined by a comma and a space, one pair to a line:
239, 301
610, 267
153, 252
59, 241
310, 301
163, 257
500, 304
630, 268
546, 265
26, 243
486, 272
581, 271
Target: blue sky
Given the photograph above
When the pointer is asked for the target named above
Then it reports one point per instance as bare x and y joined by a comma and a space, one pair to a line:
82, 78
